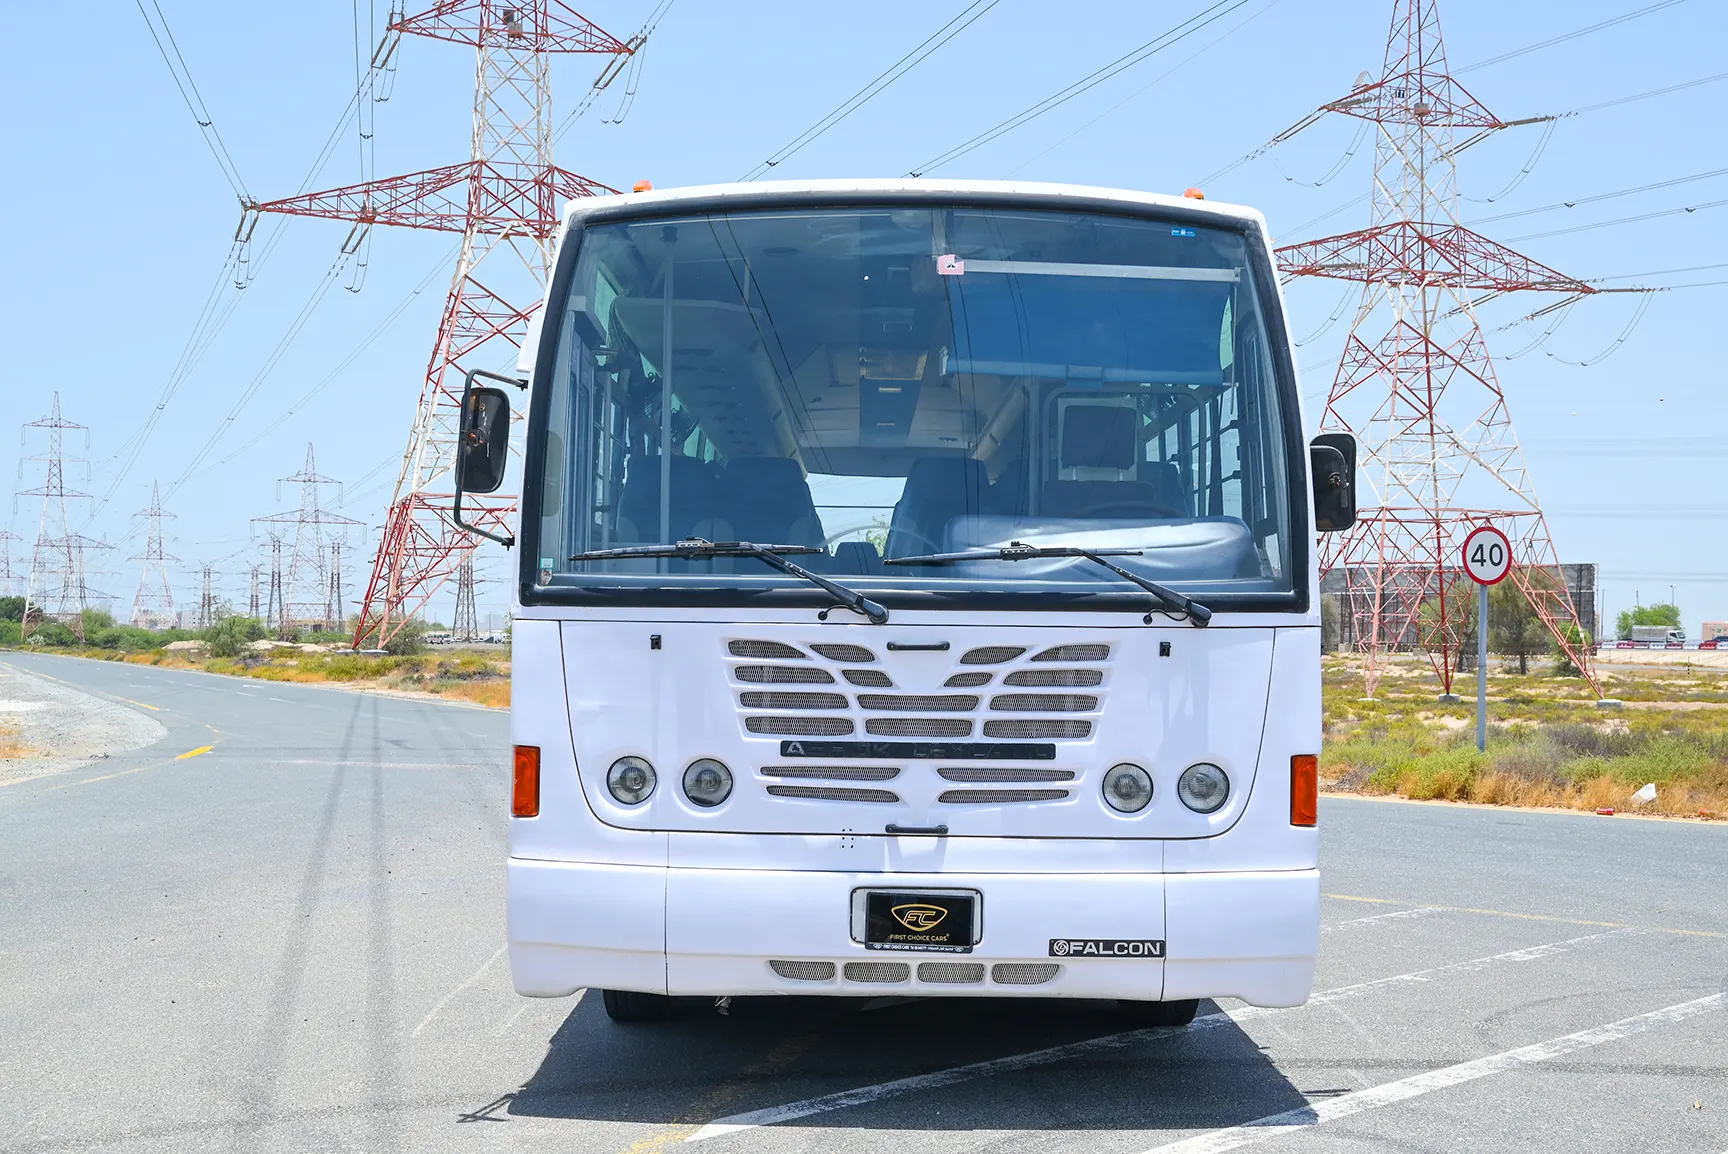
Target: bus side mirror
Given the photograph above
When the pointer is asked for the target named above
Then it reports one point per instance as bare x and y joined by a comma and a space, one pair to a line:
1332, 460
485, 440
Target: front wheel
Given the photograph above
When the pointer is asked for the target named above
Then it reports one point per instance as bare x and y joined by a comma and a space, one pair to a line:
630, 1006
1178, 1013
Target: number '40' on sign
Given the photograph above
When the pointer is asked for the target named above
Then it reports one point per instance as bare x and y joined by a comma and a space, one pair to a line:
1487, 555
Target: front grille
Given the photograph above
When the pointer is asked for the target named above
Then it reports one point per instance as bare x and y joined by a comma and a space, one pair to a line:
783, 675
757, 699
803, 971
772, 649
872, 678
834, 793
999, 796
1023, 973
833, 772
991, 654
800, 726
881, 973
1026, 730
1065, 677
1038, 702
1074, 653
918, 727
987, 774
919, 702
951, 973
968, 680
850, 654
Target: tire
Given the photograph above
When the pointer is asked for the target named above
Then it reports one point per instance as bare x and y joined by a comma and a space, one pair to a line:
630, 1006
1160, 1013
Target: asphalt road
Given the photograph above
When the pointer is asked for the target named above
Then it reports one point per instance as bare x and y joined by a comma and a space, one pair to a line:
291, 941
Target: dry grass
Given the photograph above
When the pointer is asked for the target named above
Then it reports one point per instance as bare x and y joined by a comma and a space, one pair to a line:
480, 679
10, 745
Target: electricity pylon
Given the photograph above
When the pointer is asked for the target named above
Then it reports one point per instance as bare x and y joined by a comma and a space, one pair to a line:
153, 605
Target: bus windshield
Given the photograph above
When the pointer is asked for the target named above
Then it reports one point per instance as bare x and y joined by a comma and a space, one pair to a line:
888, 382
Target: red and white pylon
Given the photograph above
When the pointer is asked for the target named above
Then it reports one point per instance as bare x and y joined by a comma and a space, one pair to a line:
504, 201
1415, 384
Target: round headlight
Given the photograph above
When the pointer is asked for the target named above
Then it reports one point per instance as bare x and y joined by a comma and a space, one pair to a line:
631, 780
1127, 788
1203, 788
707, 782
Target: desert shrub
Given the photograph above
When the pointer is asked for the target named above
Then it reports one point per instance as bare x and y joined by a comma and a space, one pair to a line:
231, 635
409, 641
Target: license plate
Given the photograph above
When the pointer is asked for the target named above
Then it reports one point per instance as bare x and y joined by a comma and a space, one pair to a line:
902, 920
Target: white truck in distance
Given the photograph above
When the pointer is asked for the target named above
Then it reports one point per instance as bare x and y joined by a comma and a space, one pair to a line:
917, 595
1657, 633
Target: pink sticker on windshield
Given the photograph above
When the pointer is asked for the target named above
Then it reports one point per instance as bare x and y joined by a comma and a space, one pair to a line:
950, 265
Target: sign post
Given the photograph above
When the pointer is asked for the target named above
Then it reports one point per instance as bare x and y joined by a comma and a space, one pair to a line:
1487, 560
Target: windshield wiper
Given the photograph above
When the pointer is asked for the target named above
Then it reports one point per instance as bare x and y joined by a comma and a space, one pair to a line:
1175, 604
698, 549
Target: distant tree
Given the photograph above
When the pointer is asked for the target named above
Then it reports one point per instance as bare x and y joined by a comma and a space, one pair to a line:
96, 619
11, 608
1659, 614
1329, 631
409, 641
11, 633
52, 633
1514, 627
1564, 666
230, 635
1460, 616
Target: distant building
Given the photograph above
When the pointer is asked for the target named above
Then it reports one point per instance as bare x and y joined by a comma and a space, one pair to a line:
1713, 630
1399, 634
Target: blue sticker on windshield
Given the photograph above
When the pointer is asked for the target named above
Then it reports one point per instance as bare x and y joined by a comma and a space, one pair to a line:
1181, 232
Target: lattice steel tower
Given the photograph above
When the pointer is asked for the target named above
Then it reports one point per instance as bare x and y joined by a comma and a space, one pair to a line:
1415, 384
504, 201
304, 597
57, 586
153, 604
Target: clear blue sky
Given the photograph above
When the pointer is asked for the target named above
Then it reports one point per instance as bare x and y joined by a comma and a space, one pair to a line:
121, 220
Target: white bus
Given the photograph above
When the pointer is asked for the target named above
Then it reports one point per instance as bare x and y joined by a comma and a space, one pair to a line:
917, 596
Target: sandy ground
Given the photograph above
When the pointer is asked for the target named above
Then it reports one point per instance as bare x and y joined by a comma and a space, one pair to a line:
1665, 658
61, 728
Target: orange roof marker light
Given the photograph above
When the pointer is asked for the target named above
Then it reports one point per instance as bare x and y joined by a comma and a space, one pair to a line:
642, 186
1194, 194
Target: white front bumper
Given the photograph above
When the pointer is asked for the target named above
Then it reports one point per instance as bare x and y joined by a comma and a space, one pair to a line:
689, 931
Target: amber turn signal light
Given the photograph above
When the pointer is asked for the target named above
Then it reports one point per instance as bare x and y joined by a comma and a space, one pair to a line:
525, 798
1304, 789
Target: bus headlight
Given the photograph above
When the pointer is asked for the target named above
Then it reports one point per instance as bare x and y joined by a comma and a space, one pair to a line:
1203, 788
631, 780
707, 782
1127, 788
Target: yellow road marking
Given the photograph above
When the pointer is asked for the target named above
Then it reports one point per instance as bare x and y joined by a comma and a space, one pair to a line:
1528, 917
723, 1095
195, 752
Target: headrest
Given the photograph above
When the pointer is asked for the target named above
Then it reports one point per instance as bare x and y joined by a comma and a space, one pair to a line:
1099, 437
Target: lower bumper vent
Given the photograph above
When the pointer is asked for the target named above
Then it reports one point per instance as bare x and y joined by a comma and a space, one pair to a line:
834, 793
1023, 973
803, 971
881, 973
951, 973
999, 796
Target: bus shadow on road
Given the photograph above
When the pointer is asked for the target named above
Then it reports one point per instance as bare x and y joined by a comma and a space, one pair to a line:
700, 1066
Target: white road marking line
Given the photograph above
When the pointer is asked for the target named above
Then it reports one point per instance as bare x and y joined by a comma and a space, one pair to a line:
1307, 1117
1420, 912
460, 986
280, 700
856, 1097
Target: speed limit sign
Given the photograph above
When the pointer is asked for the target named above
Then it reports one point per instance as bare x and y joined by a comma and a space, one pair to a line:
1487, 555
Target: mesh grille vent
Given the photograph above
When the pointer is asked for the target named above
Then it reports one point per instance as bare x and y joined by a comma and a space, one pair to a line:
833, 793
967, 680
1023, 973
874, 678
879, 972
1028, 729
851, 654
999, 796
783, 675
918, 727
971, 774
799, 726
803, 971
991, 654
834, 772
919, 703
772, 649
1065, 677
1075, 653
951, 973
781, 699
1037, 702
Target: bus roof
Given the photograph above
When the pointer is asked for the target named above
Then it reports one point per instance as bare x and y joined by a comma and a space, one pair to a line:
935, 187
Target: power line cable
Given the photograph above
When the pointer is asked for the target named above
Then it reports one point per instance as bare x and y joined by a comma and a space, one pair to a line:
193, 99
1601, 196
1157, 44
1688, 209
864, 95
1573, 35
